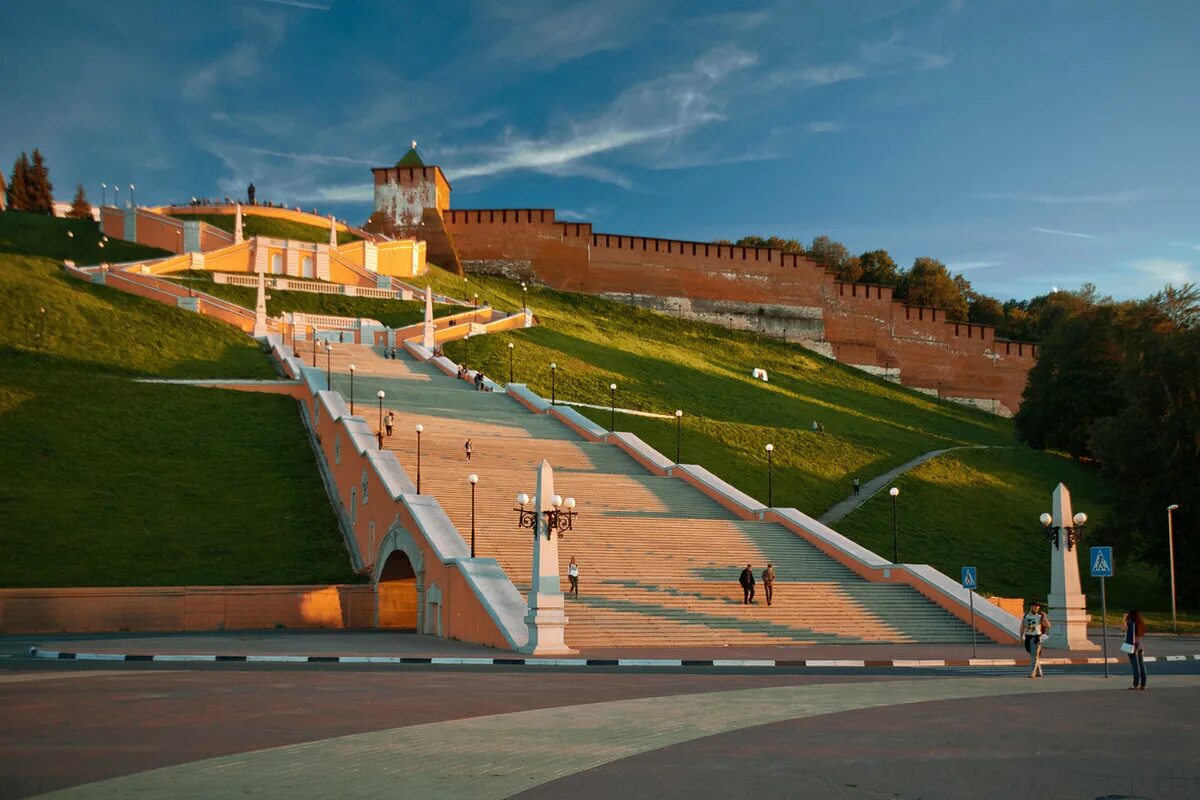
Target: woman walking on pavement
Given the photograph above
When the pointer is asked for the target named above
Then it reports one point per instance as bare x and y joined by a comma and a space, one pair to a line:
1135, 629
1035, 625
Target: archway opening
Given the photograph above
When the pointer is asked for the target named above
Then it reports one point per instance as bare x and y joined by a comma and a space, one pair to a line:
398, 593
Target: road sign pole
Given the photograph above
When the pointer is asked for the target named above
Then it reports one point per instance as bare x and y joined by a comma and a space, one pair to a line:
1104, 617
972, 596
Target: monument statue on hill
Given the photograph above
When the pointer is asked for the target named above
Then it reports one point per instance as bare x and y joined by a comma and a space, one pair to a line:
250, 194
1068, 605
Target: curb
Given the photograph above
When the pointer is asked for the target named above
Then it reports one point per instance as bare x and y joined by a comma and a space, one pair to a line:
898, 663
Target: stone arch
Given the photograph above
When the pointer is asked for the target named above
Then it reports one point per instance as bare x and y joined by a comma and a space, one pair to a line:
433, 611
399, 581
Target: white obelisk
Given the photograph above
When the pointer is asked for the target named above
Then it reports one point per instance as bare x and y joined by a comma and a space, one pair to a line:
332, 232
1068, 606
427, 340
238, 236
260, 307
546, 617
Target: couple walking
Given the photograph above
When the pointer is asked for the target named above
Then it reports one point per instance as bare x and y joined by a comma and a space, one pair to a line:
747, 581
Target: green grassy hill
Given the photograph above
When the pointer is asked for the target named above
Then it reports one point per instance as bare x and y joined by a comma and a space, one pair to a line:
112, 482
393, 313
253, 225
78, 240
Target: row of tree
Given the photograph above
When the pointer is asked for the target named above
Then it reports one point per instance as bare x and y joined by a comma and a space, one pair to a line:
1118, 383
30, 189
927, 282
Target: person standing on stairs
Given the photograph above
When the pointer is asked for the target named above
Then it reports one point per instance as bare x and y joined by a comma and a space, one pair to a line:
573, 577
467, 447
389, 421
747, 582
768, 578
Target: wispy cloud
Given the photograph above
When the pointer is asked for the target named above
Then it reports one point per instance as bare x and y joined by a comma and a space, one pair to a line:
967, 266
823, 127
1166, 270
545, 33
1072, 234
655, 112
1187, 245
315, 158
263, 32
890, 57
1103, 198
299, 4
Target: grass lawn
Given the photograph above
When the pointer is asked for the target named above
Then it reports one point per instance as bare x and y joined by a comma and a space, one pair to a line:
42, 235
1156, 622
981, 507
111, 482
661, 363
254, 225
393, 313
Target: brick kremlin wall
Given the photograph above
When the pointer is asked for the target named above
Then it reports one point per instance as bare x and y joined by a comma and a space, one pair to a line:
777, 293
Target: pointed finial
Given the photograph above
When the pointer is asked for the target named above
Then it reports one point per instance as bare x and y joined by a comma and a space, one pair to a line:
414, 144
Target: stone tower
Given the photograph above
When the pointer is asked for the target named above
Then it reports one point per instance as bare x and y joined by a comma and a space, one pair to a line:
409, 200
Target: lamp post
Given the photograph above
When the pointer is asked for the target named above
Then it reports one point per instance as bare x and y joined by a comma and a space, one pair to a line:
116, 195
103, 195
678, 431
329, 366
380, 395
612, 407
419, 428
314, 346
1074, 534
770, 487
560, 518
1171, 509
553, 373
351, 390
894, 492
523, 296
510, 362
472, 479
132, 203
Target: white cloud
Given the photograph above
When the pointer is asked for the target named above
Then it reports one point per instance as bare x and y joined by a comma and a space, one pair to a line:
315, 158
967, 266
1108, 198
654, 113
263, 32
890, 57
1166, 270
823, 127
549, 33
1072, 234
1187, 245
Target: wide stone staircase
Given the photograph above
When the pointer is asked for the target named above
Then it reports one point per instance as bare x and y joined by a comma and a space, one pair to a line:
659, 560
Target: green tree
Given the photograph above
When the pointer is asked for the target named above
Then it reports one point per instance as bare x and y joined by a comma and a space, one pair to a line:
834, 257
878, 267
40, 190
985, 310
80, 207
18, 188
928, 283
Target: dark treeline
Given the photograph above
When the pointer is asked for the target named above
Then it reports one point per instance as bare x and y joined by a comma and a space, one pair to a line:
928, 283
29, 189
1118, 383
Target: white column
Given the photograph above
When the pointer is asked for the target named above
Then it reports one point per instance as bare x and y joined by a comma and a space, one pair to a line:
332, 232
237, 225
1068, 606
546, 617
260, 307
427, 340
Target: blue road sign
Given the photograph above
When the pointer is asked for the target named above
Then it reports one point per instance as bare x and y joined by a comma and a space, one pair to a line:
1102, 562
968, 578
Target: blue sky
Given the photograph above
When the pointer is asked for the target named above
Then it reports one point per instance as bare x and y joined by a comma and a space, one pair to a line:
1027, 144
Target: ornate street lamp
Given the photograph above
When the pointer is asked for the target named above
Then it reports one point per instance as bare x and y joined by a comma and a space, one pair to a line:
612, 407
1074, 533
770, 496
380, 395
894, 492
678, 431
132, 203
553, 373
419, 428
351, 390
510, 363
560, 518
472, 479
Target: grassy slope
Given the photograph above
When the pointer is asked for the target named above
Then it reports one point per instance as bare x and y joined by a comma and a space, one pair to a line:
253, 225
980, 507
393, 313
111, 482
661, 363
42, 235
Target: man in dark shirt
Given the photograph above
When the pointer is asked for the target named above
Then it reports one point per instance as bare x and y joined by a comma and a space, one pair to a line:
747, 582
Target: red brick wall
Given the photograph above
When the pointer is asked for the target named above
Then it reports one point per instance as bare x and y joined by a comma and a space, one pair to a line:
864, 325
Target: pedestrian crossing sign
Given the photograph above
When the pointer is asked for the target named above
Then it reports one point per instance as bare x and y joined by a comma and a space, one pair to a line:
1102, 562
968, 578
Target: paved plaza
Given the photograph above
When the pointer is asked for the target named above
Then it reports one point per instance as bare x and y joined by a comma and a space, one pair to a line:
132, 729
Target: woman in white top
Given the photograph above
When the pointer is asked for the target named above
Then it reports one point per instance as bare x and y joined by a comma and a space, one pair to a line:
1035, 625
573, 577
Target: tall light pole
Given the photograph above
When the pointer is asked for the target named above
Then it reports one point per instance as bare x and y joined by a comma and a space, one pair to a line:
523, 296
329, 366
380, 395
132, 203
103, 195
420, 428
1171, 509
612, 407
770, 487
472, 479
116, 195
351, 390
510, 363
678, 431
553, 373
314, 346
894, 492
